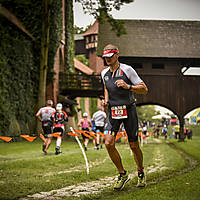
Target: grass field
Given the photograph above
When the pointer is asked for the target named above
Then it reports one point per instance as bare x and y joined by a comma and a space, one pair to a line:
26, 173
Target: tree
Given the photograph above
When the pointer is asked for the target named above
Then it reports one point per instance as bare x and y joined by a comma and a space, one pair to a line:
101, 10
146, 112
44, 52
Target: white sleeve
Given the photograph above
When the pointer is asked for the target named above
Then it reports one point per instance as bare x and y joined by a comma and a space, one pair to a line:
131, 74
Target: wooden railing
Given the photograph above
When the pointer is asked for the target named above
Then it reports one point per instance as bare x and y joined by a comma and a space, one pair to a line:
80, 82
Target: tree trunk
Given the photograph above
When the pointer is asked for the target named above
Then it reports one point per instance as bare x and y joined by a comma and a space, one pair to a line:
44, 57
69, 36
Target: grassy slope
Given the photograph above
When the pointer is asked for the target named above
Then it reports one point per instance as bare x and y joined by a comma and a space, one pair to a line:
182, 187
23, 166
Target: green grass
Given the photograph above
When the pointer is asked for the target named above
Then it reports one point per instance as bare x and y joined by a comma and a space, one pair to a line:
25, 170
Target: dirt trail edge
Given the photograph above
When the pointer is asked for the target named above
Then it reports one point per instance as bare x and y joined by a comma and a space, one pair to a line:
94, 187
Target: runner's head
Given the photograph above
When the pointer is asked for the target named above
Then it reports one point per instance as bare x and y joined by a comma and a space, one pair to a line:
99, 108
49, 102
59, 107
109, 50
85, 115
111, 54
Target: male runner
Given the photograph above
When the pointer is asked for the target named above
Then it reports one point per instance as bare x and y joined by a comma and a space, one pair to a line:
99, 118
120, 82
44, 115
59, 117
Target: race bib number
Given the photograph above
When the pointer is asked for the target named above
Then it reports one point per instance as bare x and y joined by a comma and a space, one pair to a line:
119, 112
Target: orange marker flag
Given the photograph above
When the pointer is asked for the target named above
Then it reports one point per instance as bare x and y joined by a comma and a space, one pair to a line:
86, 135
57, 134
77, 131
7, 139
91, 133
119, 135
100, 133
73, 134
27, 137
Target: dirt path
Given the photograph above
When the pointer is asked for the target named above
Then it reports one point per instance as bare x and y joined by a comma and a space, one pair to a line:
97, 186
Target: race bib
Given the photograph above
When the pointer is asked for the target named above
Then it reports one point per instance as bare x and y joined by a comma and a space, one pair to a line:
119, 112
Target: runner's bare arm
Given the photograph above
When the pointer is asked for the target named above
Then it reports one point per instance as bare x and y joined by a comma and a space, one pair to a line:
106, 98
141, 88
38, 116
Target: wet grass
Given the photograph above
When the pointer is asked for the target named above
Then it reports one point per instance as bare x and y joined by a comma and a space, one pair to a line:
25, 170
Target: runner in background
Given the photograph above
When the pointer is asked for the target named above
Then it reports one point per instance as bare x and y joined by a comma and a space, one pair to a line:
94, 130
85, 124
99, 118
58, 118
44, 115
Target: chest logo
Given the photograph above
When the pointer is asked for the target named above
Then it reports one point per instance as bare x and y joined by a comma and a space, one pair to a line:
106, 78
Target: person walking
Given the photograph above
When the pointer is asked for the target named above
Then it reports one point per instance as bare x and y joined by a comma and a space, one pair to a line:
59, 117
99, 118
85, 124
120, 83
44, 115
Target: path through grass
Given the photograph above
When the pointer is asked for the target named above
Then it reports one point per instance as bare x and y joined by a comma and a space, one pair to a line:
25, 171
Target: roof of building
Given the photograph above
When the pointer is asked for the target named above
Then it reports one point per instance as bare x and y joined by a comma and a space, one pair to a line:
94, 29
154, 38
83, 68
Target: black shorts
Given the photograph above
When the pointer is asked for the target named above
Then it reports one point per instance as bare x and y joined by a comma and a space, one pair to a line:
100, 128
130, 124
58, 129
47, 129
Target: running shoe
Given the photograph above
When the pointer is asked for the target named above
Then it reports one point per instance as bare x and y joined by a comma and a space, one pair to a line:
43, 147
58, 151
121, 181
141, 180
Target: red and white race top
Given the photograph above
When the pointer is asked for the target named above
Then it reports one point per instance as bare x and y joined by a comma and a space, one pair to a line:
46, 113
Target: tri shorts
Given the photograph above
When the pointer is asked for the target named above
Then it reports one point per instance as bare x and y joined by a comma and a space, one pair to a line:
47, 129
59, 129
100, 129
130, 124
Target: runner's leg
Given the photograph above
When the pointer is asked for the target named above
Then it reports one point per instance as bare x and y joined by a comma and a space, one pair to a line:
138, 156
113, 153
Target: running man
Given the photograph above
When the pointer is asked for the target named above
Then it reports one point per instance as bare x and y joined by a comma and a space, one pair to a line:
58, 118
99, 118
120, 82
44, 115
85, 124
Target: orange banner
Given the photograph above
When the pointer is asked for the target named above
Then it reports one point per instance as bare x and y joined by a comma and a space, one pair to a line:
119, 135
73, 134
27, 137
91, 133
57, 134
7, 139
83, 132
100, 133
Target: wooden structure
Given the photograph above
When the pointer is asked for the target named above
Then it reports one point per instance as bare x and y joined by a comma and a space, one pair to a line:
158, 50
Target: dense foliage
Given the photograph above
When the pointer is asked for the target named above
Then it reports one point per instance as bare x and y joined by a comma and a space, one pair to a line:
19, 63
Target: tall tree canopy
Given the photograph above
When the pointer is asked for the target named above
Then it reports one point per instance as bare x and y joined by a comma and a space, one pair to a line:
101, 10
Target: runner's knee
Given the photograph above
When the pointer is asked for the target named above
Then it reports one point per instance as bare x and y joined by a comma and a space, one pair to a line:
134, 146
109, 145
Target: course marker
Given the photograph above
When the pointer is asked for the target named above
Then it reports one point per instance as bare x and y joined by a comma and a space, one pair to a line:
84, 155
